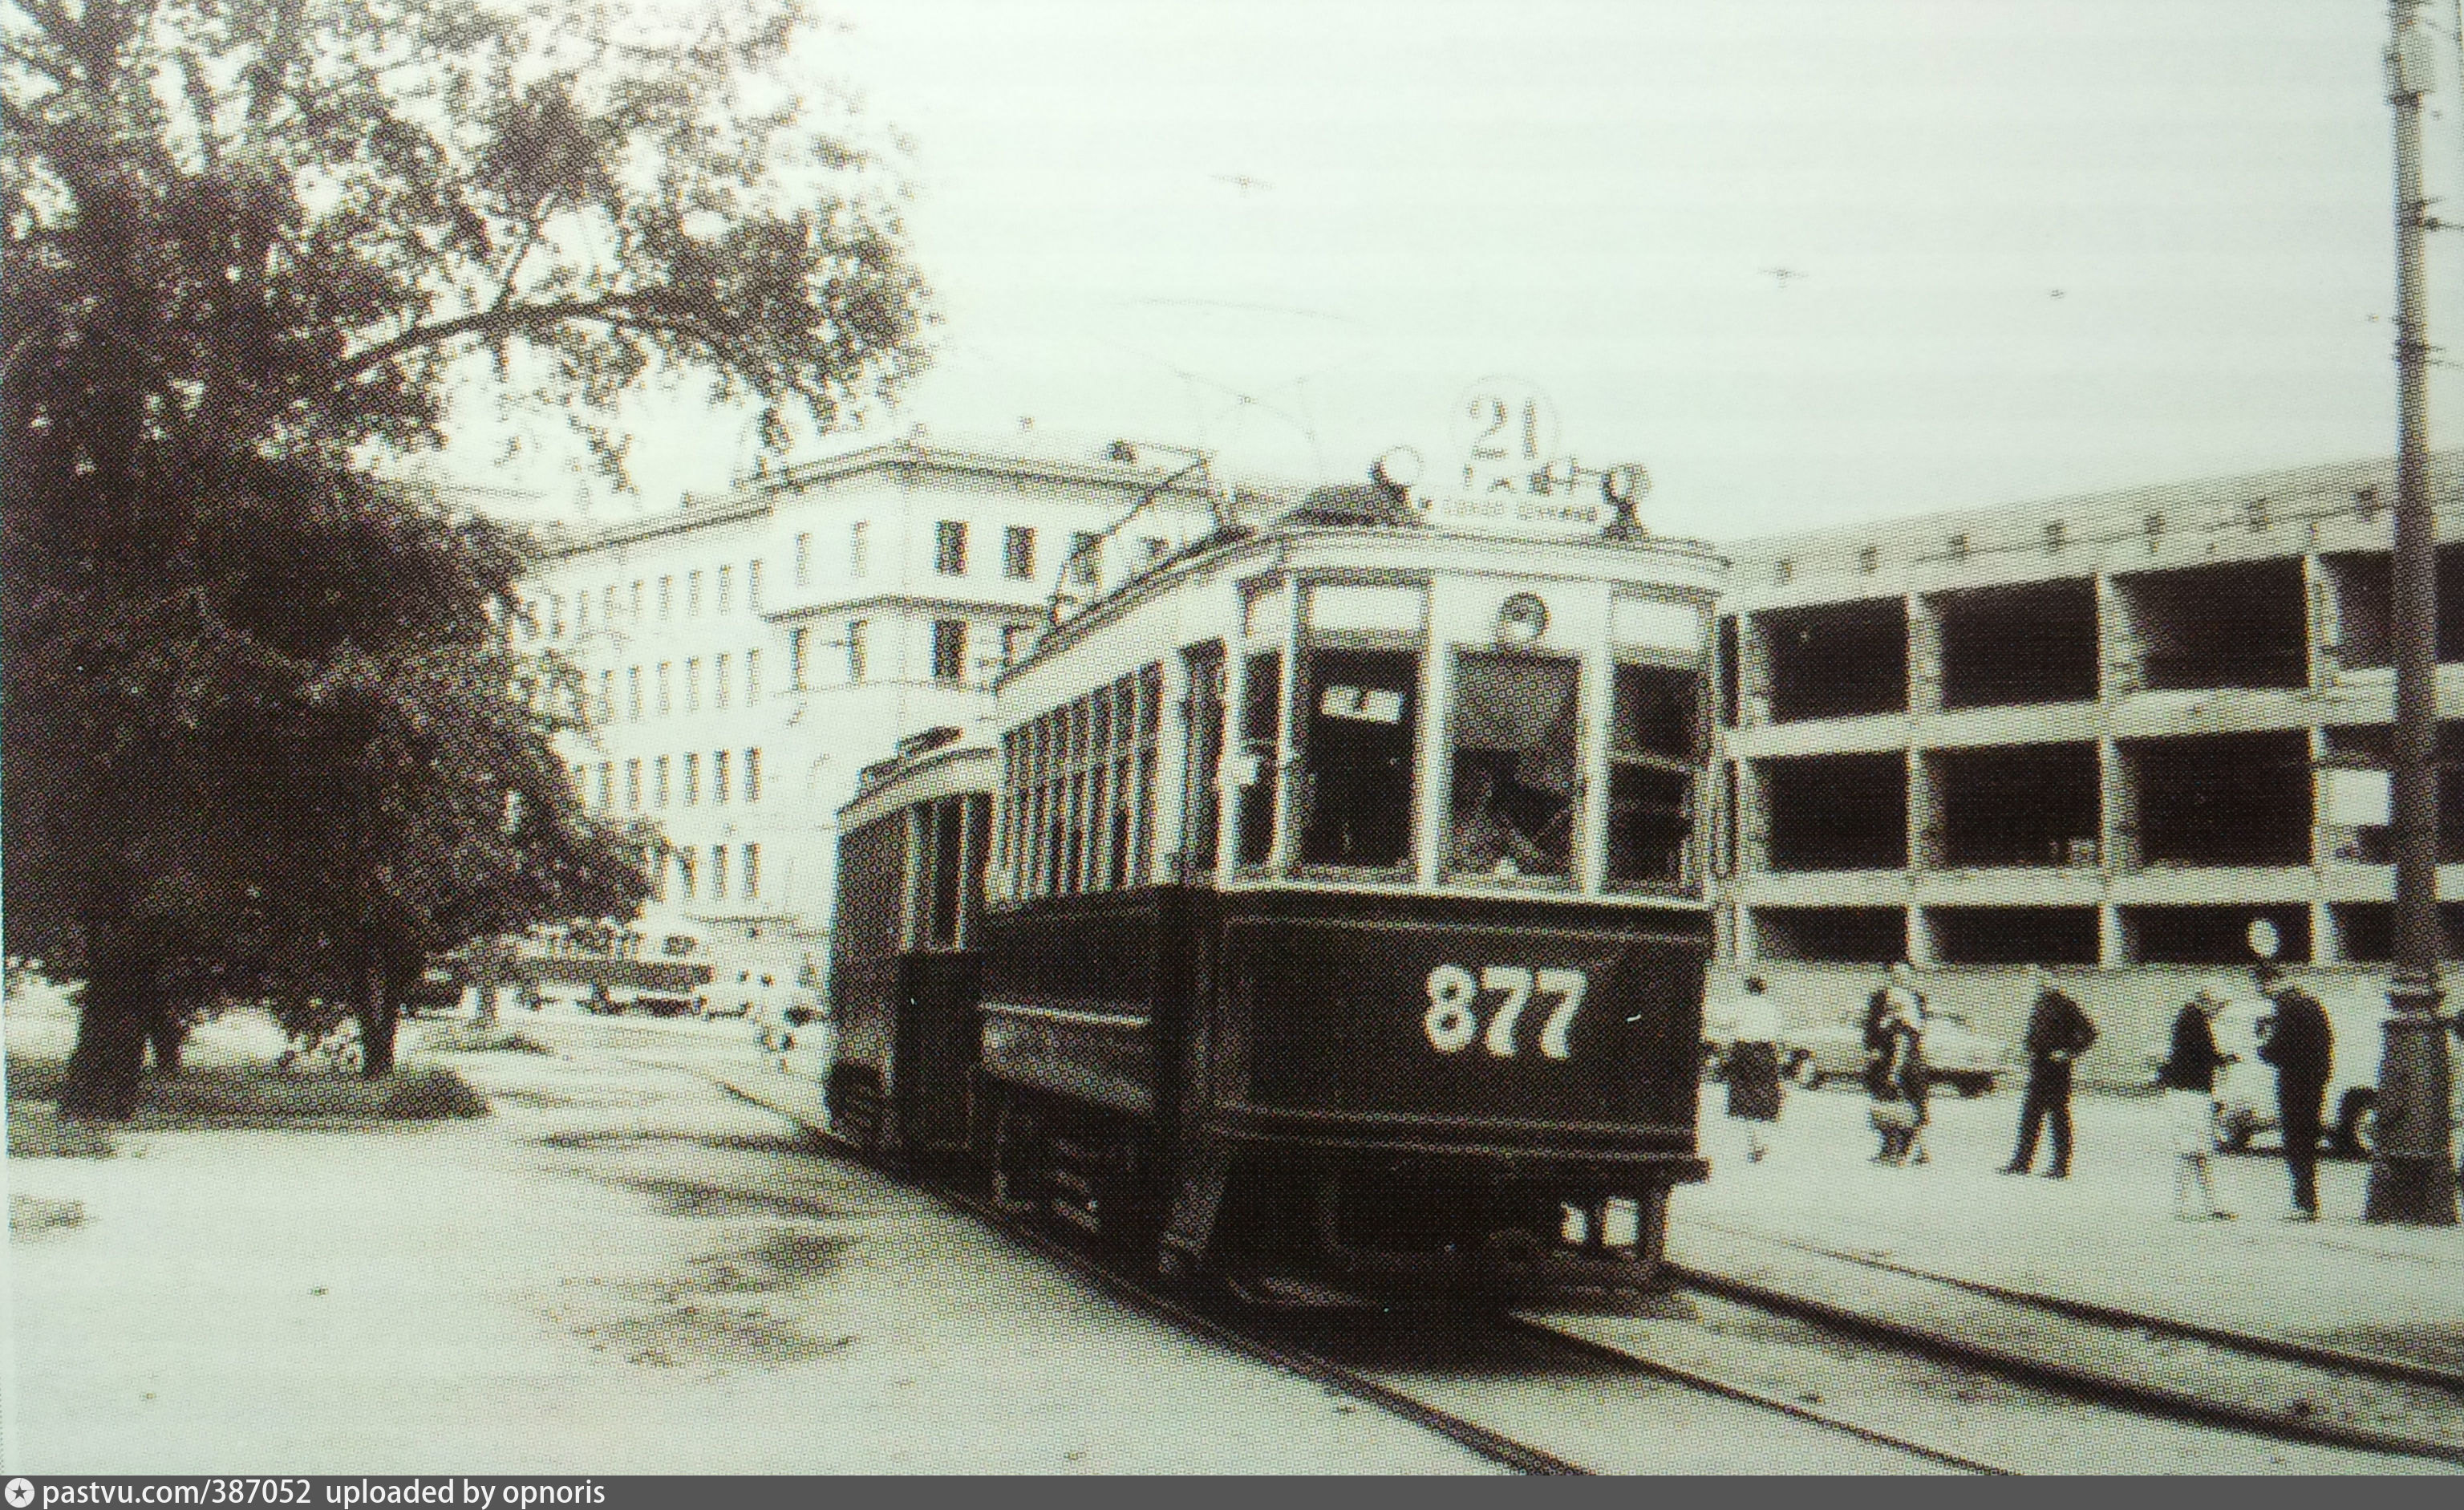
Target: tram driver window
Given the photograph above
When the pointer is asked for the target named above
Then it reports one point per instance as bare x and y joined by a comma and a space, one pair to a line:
1258, 768
1516, 732
1655, 752
1355, 791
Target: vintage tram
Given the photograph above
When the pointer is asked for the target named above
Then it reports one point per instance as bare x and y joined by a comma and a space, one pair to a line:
1332, 905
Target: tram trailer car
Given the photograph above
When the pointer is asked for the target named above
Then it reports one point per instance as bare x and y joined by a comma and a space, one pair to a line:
905, 976
1343, 913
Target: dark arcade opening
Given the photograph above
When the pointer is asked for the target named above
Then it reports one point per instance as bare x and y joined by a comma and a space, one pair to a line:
2016, 805
1837, 660
2239, 625
2224, 799
2212, 935
1835, 812
2006, 646
1832, 935
2014, 935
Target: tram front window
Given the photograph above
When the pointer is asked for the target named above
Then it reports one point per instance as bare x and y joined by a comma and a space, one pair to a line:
1655, 750
1355, 793
1516, 731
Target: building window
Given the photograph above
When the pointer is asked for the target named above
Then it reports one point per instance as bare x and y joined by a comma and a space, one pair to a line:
1018, 552
718, 873
659, 781
949, 547
753, 774
692, 594
752, 678
633, 786
665, 705
719, 775
721, 674
726, 589
752, 872
1086, 558
859, 547
1017, 639
753, 585
608, 605
608, 697
855, 638
693, 780
949, 650
606, 785
803, 559
633, 691
556, 616
685, 872
667, 598
796, 640
581, 612
693, 685
637, 600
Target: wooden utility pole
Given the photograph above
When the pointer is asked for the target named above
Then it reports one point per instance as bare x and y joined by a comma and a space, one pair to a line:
2412, 1173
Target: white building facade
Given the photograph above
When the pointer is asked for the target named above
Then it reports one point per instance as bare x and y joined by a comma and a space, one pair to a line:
742, 658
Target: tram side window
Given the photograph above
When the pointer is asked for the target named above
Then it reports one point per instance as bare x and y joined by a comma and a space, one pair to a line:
1355, 792
1203, 802
1516, 735
949, 870
1260, 754
1655, 753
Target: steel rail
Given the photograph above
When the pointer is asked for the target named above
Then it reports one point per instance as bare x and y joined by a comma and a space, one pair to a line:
2087, 1383
2284, 1350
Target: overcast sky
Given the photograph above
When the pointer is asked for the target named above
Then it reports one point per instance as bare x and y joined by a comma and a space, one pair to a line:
2032, 247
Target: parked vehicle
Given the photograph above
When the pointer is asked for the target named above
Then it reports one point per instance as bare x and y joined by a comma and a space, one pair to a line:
1957, 1055
2246, 1089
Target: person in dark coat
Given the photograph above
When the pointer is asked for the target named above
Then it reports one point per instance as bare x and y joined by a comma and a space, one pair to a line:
2299, 1042
1752, 1068
2059, 1032
1898, 994
2187, 1079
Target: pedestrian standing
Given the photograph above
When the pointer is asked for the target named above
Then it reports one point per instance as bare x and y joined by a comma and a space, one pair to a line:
2188, 1081
2059, 1032
1897, 995
1896, 1082
2299, 1042
1752, 1069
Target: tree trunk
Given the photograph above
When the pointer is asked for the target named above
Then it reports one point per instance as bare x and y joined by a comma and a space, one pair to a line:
106, 1069
167, 1030
379, 1014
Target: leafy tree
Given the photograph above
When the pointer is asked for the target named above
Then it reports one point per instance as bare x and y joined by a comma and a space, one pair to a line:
261, 731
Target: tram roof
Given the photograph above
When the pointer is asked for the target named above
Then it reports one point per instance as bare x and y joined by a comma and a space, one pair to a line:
1279, 543
905, 780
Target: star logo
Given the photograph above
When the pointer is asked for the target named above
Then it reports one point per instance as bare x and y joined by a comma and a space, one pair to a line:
21, 1494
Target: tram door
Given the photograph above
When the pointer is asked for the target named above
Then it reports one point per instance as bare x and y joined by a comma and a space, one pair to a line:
941, 977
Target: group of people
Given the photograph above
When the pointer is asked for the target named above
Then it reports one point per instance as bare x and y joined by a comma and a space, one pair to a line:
2299, 1045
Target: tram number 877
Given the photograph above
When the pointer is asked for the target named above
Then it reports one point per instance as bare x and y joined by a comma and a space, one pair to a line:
1452, 1020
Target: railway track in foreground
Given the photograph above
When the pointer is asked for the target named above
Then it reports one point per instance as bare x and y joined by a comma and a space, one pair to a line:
1615, 1348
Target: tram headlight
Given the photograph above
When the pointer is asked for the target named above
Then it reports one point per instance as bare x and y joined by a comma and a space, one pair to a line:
1521, 620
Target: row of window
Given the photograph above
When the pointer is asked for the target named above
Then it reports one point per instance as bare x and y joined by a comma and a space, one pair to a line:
687, 768
1084, 562
1338, 791
658, 691
1081, 787
682, 871
720, 597
950, 639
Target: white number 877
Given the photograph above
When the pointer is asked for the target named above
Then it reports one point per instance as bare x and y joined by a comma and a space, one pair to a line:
1453, 1018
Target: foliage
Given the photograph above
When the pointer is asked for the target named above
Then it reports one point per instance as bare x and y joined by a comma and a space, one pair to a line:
266, 736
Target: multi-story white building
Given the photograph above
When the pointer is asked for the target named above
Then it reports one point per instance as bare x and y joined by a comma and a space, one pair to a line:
744, 657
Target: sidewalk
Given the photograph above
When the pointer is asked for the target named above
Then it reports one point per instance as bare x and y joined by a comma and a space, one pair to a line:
623, 1270
2105, 1235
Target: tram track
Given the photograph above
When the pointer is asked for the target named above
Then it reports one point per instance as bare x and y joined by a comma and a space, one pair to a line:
1256, 1335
